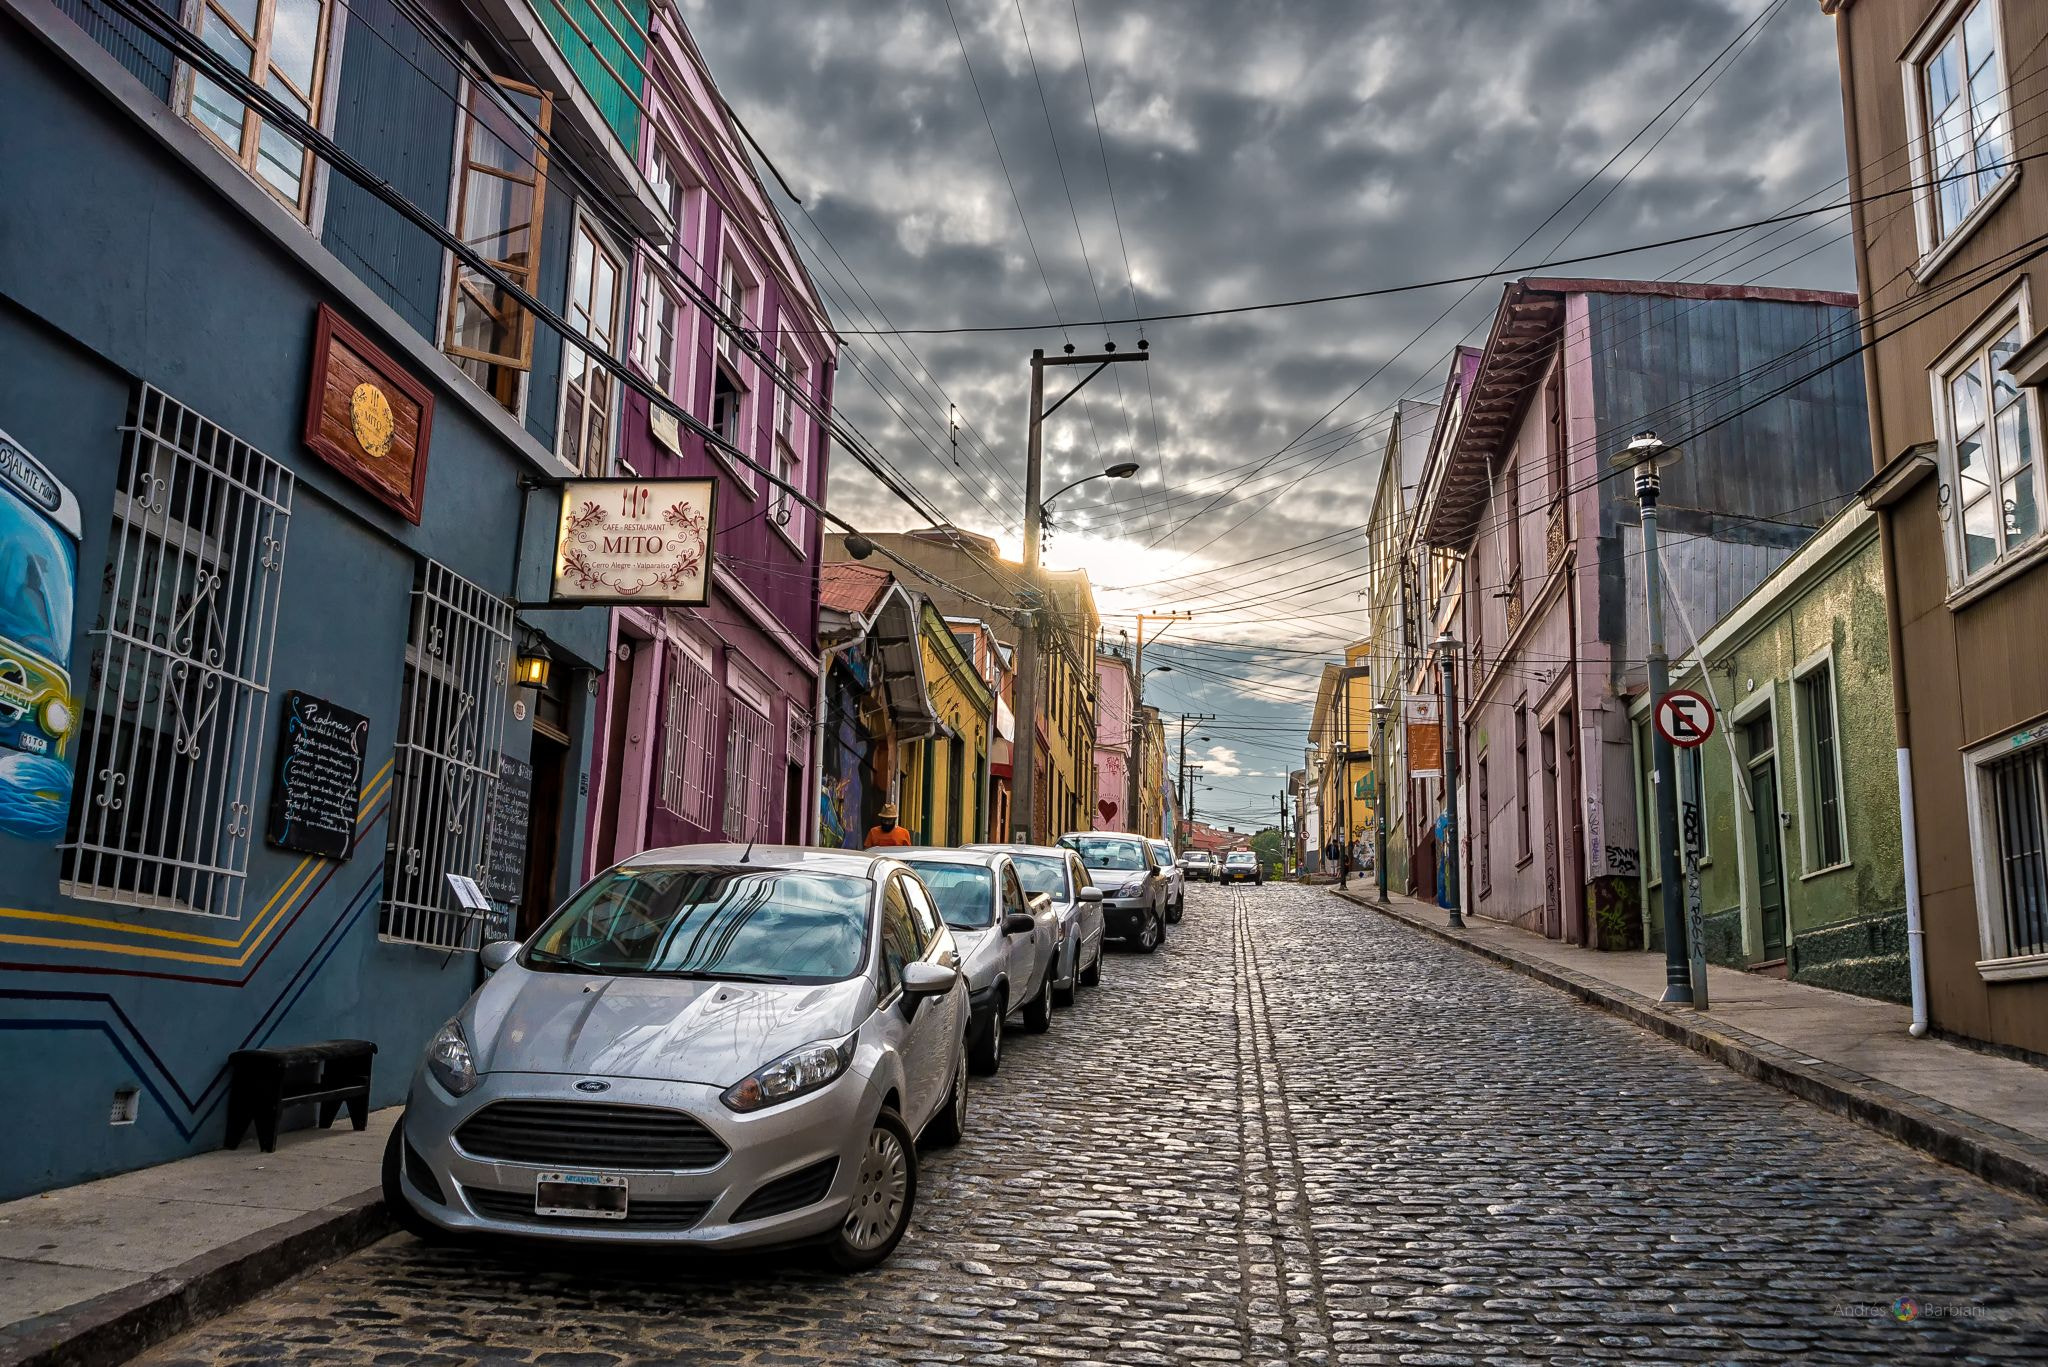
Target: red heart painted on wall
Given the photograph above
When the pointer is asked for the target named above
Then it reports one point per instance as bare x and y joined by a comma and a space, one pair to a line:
1107, 808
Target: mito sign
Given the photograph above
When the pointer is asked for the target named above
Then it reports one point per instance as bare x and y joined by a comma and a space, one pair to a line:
626, 541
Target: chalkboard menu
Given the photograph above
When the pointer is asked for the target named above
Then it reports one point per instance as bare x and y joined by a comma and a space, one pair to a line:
315, 791
505, 878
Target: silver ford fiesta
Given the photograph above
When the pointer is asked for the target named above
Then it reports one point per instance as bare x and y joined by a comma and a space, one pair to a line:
711, 1046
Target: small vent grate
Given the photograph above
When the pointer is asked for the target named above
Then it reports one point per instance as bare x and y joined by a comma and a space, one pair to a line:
127, 1101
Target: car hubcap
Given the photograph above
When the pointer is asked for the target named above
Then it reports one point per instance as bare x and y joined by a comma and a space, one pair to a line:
878, 1200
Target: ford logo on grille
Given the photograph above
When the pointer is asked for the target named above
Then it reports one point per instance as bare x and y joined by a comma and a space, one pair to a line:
593, 1085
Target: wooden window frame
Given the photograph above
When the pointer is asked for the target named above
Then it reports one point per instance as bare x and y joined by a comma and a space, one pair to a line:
2000, 963
1812, 852
2013, 311
585, 229
519, 360
1936, 247
247, 151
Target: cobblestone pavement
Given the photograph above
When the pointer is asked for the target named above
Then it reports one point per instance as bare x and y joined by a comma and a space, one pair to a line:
1301, 1134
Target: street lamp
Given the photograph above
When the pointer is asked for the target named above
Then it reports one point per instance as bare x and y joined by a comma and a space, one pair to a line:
1644, 453
1447, 649
1380, 712
1121, 470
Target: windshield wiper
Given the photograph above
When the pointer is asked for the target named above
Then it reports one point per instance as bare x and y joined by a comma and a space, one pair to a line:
706, 975
544, 956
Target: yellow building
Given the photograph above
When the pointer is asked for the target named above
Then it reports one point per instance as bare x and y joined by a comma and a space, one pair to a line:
944, 787
1065, 784
1152, 777
1341, 733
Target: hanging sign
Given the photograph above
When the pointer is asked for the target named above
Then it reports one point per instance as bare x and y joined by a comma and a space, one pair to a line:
1424, 715
627, 541
1685, 718
367, 417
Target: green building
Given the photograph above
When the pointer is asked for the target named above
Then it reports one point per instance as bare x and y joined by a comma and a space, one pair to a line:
1801, 870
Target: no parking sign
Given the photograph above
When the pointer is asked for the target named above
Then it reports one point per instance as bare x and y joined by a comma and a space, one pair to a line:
1685, 718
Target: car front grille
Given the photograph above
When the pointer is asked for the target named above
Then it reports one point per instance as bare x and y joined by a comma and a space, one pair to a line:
583, 1134
641, 1212
804, 1187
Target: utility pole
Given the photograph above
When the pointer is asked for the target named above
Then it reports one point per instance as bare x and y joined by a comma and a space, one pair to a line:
1137, 732
1379, 783
1642, 455
1187, 816
1447, 644
1024, 777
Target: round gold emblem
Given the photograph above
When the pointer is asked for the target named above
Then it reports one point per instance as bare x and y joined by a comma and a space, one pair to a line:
370, 413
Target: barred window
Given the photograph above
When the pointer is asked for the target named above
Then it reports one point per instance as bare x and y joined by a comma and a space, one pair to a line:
180, 673
689, 738
1822, 783
750, 778
2008, 781
451, 726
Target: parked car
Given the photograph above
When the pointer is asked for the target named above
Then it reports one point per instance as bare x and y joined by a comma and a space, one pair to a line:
1133, 889
1198, 866
1009, 942
696, 1049
1176, 881
1242, 866
1058, 873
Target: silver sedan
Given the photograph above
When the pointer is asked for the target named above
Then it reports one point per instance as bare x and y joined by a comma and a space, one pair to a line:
1008, 938
710, 1046
1059, 873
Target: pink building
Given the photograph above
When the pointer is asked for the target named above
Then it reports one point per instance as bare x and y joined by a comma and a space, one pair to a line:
706, 715
1112, 743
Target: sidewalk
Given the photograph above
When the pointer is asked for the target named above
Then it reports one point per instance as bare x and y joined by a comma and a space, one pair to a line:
98, 1272
1848, 1054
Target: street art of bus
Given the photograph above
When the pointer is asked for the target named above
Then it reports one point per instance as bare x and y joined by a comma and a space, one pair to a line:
39, 531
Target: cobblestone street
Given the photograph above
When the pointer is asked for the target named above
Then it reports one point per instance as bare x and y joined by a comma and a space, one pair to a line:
1300, 1133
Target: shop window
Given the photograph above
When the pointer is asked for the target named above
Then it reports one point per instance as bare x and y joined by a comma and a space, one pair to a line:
178, 688
451, 727
501, 192
282, 46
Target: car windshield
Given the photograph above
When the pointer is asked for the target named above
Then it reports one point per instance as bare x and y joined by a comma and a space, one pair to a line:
1239, 858
774, 925
964, 893
1107, 853
1200, 857
1044, 873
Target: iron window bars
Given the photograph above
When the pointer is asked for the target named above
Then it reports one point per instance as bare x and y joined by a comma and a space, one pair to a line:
2018, 788
749, 772
180, 671
689, 735
451, 728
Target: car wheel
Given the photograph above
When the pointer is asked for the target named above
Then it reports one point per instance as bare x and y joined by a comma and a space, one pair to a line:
884, 1194
1173, 912
1038, 1011
949, 1126
1092, 975
403, 1213
1064, 996
1149, 938
986, 1055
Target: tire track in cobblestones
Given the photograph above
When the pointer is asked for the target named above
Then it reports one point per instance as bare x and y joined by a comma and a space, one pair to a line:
1284, 1286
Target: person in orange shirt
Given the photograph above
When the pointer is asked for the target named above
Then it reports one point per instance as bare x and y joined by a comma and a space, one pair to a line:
886, 831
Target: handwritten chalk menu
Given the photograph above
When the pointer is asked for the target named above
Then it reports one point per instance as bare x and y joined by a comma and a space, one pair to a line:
505, 877
315, 792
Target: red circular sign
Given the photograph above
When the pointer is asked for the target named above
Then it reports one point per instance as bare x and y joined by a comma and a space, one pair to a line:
1685, 718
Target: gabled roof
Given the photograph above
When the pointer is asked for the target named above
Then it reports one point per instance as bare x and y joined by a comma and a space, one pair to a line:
847, 587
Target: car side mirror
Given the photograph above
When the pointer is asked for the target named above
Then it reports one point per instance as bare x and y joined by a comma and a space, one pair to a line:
497, 954
1091, 894
1019, 923
927, 979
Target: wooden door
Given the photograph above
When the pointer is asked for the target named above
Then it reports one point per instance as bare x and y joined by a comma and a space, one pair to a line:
1553, 841
1572, 833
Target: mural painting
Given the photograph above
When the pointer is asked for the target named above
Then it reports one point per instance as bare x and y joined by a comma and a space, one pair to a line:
39, 532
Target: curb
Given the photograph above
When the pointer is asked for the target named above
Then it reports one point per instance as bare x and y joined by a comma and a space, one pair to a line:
117, 1325
2003, 1157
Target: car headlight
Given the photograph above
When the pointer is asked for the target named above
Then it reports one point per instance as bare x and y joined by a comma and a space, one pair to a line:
449, 1060
797, 1072
1134, 888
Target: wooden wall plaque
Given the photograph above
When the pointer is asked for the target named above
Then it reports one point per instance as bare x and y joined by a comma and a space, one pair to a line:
367, 417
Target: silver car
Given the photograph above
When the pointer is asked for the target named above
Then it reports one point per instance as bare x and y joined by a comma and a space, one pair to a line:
1133, 889
1176, 880
711, 1046
1059, 873
1008, 939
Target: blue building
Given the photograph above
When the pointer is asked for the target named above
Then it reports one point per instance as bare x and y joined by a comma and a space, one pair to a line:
273, 489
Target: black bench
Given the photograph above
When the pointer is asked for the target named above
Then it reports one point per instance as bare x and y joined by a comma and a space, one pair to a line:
262, 1082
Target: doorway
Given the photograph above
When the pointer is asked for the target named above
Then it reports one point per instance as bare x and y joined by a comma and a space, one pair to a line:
1553, 883
544, 821
1572, 836
1760, 743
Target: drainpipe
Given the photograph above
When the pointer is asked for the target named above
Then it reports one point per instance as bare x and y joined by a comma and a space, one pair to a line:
1909, 828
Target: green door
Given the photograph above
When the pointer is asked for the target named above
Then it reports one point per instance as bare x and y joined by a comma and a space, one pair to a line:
1770, 868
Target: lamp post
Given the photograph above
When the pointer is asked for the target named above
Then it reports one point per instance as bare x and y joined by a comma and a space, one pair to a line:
1024, 767
1643, 454
1380, 712
1447, 648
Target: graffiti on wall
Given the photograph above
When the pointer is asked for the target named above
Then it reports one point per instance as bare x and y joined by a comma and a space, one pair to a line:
39, 531
1622, 859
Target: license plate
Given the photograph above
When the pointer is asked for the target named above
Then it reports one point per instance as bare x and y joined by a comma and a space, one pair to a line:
582, 1195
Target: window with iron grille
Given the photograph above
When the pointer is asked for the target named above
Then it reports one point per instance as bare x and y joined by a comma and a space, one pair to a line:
750, 781
2009, 828
1823, 783
689, 738
180, 673
451, 725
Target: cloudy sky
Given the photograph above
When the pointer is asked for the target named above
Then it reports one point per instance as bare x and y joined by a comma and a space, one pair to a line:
1258, 152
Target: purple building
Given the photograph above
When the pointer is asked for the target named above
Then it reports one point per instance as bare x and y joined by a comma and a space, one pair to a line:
705, 715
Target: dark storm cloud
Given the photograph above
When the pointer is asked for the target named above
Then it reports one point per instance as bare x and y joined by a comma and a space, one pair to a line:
1260, 151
